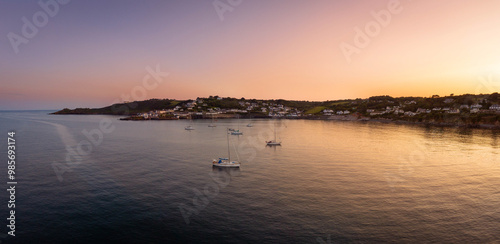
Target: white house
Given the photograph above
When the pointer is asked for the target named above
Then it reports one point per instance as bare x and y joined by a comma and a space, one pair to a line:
420, 110
495, 107
449, 100
377, 113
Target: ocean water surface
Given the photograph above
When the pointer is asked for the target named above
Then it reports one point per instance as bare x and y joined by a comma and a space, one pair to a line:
329, 182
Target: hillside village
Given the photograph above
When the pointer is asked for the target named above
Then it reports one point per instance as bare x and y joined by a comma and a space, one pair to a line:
434, 108
458, 110
199, 108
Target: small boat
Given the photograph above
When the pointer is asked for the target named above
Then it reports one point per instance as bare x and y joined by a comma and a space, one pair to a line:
274, 142
226, 162
189, 127
236, 132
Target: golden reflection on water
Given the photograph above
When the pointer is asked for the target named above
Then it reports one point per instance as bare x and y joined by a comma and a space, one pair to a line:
437, 177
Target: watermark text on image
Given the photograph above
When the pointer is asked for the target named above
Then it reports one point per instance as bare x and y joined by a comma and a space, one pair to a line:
223, 6
95, 137
363, 37
40, 19
11, 171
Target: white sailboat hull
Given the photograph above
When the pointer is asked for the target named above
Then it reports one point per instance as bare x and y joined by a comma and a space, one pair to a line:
225, 164
273, 143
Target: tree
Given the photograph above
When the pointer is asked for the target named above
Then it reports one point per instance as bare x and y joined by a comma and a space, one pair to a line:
494, 97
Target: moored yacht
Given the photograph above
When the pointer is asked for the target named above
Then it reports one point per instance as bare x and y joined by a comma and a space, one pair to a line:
226, 162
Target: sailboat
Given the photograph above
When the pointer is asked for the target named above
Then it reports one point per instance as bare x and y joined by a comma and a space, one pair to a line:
189, 127
212, 124
237, 132
250, 124
226, 162
274, 142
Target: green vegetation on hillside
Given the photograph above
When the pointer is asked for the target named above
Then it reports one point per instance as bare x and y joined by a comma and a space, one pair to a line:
315, 110
125, 108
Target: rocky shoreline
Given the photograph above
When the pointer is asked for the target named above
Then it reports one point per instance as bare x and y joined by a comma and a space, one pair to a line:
347, 118
423, 123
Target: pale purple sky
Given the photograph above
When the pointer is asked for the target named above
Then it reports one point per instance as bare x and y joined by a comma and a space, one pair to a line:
90, 53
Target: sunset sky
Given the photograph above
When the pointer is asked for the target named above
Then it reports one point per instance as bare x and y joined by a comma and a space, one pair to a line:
90, 53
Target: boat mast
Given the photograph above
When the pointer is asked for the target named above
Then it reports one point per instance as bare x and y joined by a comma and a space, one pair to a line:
275, 132
228, 151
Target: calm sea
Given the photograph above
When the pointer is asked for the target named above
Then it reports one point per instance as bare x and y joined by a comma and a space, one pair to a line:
329, 182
